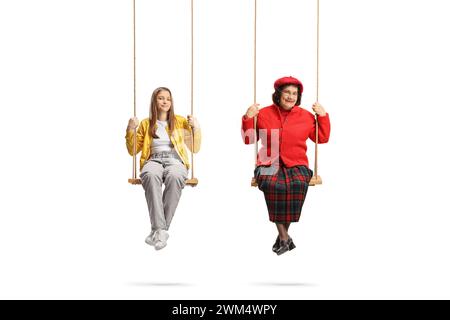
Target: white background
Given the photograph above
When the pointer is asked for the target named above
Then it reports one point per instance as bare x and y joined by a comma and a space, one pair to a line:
72, 227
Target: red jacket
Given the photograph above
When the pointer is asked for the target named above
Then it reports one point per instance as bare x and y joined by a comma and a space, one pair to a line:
285, 139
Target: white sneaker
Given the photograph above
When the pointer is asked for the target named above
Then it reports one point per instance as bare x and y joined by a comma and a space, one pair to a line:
159, 245
151, 238
161, 237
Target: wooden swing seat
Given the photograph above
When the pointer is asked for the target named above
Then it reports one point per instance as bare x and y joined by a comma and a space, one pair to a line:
136, 181
190, 182
314, 180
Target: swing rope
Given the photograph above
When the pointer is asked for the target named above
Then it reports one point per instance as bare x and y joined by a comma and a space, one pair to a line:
134, 180
315, 179
255, 118
192, 181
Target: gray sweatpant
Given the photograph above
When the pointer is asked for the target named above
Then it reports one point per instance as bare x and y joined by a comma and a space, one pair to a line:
162, 206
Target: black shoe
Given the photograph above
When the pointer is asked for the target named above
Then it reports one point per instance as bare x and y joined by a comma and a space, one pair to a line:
284, 246
291, 244
276, 245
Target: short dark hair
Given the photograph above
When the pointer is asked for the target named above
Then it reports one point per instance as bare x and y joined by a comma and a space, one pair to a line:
277, 94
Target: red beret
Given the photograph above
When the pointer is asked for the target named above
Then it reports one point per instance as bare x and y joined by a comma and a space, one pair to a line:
288, 80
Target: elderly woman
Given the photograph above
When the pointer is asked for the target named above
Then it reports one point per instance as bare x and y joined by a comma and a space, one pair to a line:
282, 171
162, 138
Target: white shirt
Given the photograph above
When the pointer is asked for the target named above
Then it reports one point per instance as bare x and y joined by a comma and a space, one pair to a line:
163, 143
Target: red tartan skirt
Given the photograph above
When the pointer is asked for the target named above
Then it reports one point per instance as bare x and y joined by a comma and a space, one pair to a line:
284, 190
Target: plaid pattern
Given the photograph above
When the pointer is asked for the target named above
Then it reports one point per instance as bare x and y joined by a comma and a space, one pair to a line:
284, 191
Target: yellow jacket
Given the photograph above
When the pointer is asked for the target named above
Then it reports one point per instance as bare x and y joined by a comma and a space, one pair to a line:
181, 137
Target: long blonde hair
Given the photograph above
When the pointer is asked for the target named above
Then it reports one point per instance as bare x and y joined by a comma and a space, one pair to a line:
154, 112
